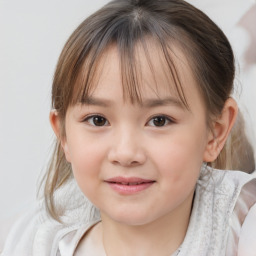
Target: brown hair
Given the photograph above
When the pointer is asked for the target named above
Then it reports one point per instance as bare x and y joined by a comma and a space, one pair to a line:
125, 23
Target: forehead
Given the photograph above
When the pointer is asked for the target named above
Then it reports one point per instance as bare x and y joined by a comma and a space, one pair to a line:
148, 75
148, 70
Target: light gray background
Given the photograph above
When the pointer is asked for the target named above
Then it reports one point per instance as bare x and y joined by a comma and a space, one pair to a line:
32, 34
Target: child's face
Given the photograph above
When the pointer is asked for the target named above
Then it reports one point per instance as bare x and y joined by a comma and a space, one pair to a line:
158, 147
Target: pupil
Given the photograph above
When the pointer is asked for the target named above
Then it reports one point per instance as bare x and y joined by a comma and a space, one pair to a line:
159, 121
99, 120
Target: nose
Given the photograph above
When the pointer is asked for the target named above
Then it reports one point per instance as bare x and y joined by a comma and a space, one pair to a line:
126, 149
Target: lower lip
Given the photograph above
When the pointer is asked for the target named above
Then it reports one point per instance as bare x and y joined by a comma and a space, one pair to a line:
130, 189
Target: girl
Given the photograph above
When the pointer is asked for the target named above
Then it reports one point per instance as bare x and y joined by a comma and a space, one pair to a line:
142, 111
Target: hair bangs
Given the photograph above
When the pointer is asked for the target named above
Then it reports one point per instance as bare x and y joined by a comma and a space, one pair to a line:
132, 55
133, 58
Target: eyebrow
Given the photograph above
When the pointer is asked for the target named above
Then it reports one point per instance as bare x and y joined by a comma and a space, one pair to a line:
170, 101
96, 102
148, 103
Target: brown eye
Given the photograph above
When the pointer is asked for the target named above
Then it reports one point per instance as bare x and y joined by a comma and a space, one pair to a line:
159, 121
97, 120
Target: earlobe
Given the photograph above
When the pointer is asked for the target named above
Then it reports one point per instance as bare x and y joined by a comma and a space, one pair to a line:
56, 126
221, 128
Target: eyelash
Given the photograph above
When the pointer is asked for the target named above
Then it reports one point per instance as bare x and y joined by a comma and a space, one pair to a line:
91, 117
167, 120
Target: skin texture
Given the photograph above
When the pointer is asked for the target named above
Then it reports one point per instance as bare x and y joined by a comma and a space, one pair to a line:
131, 144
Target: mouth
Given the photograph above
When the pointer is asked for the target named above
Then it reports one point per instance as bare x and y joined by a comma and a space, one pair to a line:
127, 186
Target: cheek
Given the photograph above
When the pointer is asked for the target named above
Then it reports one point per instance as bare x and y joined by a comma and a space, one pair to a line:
85, 150
180, 157
86, 161
179, 167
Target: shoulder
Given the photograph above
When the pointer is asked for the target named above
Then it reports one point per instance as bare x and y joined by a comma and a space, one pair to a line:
247, 239
243, 221
22, 232
229, 184
35, 233
228, 191
223, 201
242, 233
220, 179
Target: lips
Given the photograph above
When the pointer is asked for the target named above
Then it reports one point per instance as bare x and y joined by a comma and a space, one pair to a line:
131, 185
128, 181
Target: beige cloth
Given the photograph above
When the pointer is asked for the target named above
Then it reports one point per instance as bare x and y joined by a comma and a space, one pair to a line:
223, 221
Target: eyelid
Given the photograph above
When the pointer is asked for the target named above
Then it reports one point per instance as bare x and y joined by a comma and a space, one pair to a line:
169, 119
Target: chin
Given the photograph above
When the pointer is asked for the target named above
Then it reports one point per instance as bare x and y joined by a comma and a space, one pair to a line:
132, 219
133, 222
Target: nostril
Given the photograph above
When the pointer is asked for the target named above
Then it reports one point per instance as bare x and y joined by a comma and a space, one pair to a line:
134, 163
127, 163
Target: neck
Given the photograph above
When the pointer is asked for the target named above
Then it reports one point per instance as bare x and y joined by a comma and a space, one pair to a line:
159, 237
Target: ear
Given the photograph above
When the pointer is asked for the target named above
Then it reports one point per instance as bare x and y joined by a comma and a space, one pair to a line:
58, 130
221, 128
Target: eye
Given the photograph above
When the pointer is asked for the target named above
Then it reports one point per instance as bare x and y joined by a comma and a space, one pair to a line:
159, 121
97, 120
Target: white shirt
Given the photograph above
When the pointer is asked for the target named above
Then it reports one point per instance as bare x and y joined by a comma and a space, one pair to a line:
222, 222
